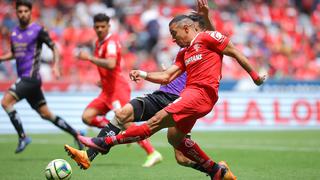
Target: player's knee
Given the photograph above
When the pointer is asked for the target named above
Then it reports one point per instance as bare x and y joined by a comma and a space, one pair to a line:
120, 117
4, 104
86, 119
46, 116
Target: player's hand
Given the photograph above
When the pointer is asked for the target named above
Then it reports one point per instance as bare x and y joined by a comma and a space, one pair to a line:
56, 71
203, 7
84, 56
135, 75
260, 80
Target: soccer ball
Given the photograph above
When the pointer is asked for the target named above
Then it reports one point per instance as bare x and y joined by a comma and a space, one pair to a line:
58, 169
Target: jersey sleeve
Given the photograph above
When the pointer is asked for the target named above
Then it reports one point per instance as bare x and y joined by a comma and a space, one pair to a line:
179, 61
111, 49
45, 38
215, 40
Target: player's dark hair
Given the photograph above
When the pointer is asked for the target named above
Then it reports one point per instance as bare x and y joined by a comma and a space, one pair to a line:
100, 17
179, 18
26, 3
198, 18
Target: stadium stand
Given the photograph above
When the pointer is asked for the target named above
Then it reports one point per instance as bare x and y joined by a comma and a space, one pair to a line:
282, 37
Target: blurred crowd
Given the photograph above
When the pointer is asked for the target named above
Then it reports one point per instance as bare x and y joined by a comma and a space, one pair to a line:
281, 37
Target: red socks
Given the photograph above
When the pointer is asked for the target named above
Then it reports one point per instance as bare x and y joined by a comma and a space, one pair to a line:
146, 145
192, 151
132, 134
99, 121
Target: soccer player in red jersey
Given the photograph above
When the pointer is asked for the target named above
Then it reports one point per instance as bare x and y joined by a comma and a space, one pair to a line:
143, 108
202, 61
115, 89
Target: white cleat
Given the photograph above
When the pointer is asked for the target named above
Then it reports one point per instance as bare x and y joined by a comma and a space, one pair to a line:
153, 159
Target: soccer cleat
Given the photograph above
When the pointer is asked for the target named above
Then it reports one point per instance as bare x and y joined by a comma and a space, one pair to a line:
153, 159
23, 142
224, 172
79, 156
95, 143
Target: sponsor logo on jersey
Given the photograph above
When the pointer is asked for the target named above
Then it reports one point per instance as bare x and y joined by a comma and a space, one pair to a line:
217, 36
196, 47
20, 36
29, 33
193, 59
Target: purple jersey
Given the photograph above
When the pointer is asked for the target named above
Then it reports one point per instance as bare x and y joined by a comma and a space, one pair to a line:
177, 85
26, 47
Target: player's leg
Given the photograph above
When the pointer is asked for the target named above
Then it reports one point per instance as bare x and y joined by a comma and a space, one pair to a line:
84, 158
10, 98
7, 103
94, 114
37, 101
184, 161
175, 137
191, 150
143, 109
46, 114
160, 120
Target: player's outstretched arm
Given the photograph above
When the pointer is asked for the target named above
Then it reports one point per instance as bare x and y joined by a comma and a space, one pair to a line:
204, 11
232, 51
108, 64
163, 77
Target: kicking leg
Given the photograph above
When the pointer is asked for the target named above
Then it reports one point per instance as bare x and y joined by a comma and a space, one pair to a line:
160, 120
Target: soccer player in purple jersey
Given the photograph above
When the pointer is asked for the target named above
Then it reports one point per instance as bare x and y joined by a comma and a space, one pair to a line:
143, 108
26, 42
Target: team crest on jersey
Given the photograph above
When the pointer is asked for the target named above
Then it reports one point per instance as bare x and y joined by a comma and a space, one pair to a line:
29, 33
20, 36
100, 52
196, 47
14, 33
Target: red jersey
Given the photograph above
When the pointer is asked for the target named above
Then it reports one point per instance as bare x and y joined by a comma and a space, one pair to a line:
111, 80
203, 61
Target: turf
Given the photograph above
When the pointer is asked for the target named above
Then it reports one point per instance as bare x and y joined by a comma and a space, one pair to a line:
263, 155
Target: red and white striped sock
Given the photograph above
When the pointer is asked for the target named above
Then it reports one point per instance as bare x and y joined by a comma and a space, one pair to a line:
132, 134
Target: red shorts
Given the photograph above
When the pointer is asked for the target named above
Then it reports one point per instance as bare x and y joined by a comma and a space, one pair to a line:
192, 105
105, 103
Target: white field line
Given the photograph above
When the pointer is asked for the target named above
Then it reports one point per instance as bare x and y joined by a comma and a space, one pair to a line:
246, 147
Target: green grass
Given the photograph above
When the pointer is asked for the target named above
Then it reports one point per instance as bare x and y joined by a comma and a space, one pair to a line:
263, 155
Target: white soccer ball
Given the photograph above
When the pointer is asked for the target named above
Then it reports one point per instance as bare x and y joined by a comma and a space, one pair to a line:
58, 169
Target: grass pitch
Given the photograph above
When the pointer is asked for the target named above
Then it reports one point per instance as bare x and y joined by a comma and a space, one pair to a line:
263, 155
